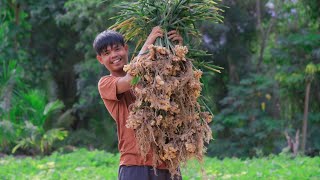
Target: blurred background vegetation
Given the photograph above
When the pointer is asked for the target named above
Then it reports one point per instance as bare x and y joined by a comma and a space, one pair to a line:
270, 85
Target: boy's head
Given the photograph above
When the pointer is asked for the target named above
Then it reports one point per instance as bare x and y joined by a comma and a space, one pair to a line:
105, 39
111, 51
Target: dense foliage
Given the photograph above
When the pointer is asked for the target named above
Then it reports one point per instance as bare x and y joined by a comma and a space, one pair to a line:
270, 83
83, 164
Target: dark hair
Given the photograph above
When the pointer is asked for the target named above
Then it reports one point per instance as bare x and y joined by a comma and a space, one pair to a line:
107, 38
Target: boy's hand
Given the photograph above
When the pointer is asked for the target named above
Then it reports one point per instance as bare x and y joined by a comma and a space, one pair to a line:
155, 33
175, 36
158, 32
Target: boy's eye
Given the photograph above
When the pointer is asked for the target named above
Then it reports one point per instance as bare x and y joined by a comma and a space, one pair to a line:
105, 52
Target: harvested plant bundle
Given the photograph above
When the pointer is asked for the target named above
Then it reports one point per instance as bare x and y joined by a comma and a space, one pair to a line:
166, 116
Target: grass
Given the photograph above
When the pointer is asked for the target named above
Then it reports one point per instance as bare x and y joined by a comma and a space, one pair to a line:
84, 164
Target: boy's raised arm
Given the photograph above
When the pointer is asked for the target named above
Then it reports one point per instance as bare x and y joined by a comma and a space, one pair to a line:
123, 83
155, 33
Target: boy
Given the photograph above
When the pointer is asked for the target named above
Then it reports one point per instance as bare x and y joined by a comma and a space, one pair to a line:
115, 91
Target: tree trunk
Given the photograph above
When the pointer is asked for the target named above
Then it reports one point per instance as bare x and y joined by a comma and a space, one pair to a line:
234, 77
258, 9
305, 116
7, 96
16, 9
263, 32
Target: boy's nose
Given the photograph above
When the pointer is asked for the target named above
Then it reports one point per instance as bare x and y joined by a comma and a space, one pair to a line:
113, 54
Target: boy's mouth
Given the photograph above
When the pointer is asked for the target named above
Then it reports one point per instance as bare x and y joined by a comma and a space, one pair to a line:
116, 61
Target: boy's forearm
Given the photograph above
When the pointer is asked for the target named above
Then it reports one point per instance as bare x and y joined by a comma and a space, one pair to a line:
155, 33
123, 84
144, 49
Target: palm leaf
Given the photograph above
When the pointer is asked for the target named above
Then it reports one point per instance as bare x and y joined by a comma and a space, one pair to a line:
52, 106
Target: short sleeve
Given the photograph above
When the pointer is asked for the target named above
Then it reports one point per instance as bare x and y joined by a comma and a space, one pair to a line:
108, 88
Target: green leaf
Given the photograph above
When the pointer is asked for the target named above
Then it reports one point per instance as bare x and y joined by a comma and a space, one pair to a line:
135, 80
50, 137
53, 106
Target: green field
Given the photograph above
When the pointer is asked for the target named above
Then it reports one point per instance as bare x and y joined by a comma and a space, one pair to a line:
83, 164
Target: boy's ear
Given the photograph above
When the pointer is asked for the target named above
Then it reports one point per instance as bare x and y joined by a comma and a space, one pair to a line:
126, 47
99, 58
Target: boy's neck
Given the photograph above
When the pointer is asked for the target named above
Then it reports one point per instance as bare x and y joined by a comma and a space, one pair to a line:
118, 74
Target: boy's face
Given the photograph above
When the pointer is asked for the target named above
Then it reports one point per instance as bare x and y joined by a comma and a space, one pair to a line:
114, 58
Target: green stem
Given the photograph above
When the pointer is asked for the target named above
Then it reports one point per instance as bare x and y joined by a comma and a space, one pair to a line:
207, 107
158, 42
166, 39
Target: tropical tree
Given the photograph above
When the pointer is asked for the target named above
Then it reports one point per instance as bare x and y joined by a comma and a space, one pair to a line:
296, 54
32, 109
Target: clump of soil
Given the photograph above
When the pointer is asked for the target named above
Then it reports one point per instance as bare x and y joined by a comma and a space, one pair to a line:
166, 116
